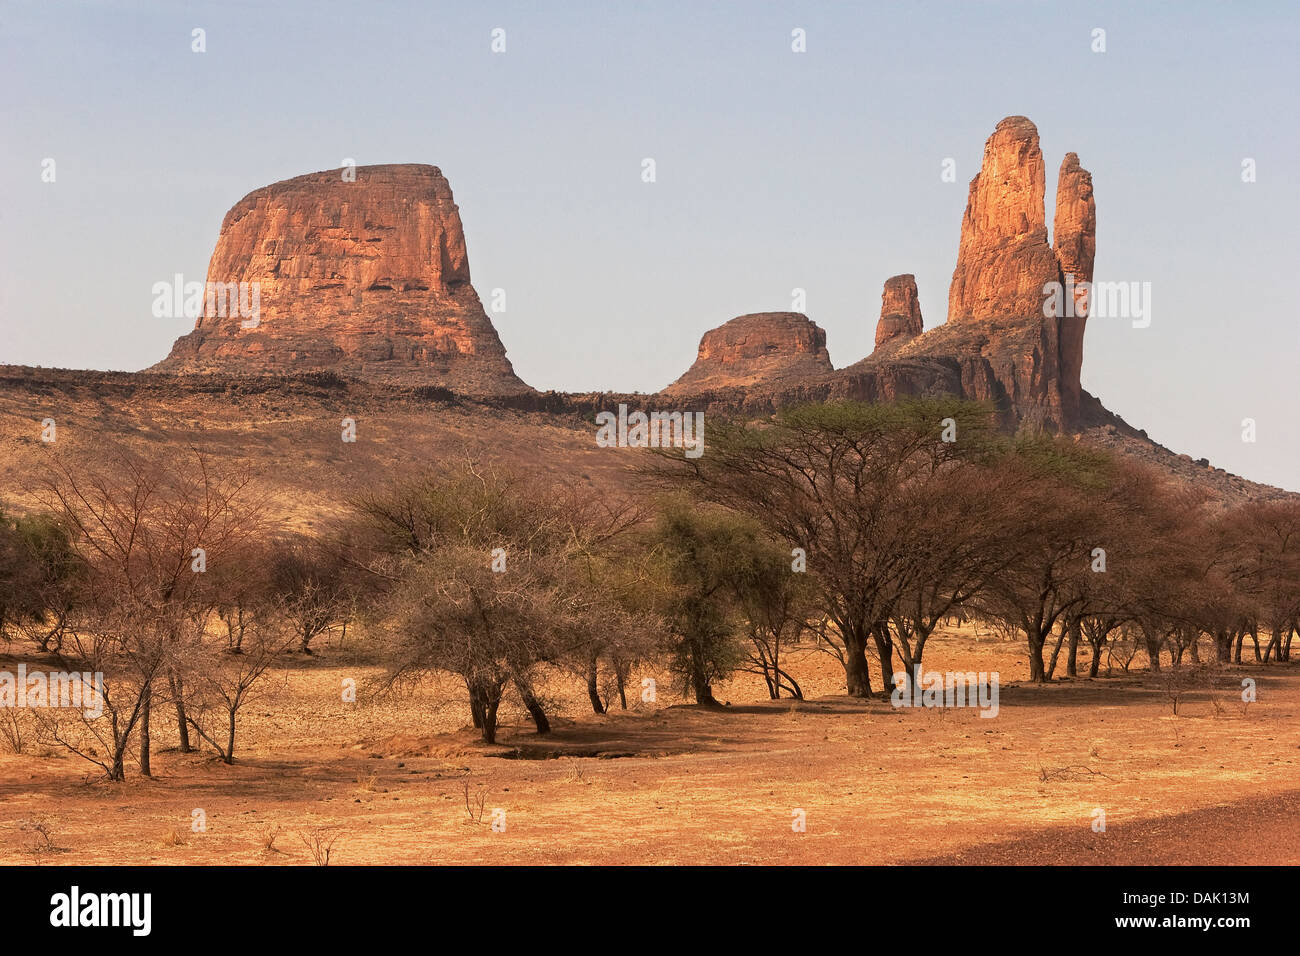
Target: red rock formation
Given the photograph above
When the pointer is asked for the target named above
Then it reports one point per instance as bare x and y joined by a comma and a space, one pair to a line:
1005, 269
1004, 260
367, 277
997, 346
1074, 234
757, 348
900, 311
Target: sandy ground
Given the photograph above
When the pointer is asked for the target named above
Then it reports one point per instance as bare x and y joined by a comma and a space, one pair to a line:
387, 780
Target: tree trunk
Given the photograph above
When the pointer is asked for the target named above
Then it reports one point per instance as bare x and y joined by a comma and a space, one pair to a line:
475, 706
856, 673
533, 706
1094, 665
1274, 646
182, 725
1056, 652
700, 684
1072, 659
791, 685
1037, 672
118, 772
484, 698
885, 651
229, 756
144, 729
593, 685
490, 720
620, 677
1152, 642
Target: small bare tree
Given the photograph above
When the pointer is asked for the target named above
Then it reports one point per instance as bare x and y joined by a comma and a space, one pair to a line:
224, 681
147, 530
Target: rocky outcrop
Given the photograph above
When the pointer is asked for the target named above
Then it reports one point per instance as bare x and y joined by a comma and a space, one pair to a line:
759, 348
900, 311
1004, 260
1074, 236
366, 275
1000, 345
1006, 271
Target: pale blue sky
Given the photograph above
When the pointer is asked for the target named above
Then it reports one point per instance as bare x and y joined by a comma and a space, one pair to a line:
776, 170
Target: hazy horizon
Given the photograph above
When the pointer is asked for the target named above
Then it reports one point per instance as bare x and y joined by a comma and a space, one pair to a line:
818, 170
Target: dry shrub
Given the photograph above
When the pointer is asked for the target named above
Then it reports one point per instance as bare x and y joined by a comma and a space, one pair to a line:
40, 833
474, 804
268, 838
320, 843
13, 735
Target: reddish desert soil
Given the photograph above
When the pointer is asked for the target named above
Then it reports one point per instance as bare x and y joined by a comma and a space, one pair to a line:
668, 783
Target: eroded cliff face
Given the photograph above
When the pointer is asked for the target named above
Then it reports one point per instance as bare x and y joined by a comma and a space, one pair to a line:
759, 348
367, 277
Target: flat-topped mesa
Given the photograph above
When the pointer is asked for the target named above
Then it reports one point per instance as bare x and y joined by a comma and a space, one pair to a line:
1074, 235
900, 312
365, 274
755, 348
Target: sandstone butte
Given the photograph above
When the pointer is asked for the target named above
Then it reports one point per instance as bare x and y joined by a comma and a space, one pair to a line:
996, 346
365, 276
760, 347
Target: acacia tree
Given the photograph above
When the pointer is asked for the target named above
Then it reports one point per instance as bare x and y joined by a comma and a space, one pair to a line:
958, 529
40, 575
145, 530
484, 580
609, 560
225, 679
1157, 557
315, 585
775, 603
1056, 527
1263, 538
829, 479
243, 595
698, 552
